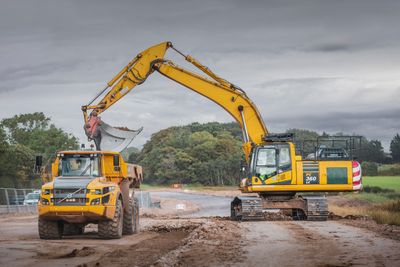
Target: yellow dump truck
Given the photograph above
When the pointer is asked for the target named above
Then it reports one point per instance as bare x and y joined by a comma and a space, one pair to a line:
89, 187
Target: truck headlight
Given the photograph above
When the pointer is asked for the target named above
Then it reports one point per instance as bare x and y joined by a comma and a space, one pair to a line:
95, 201
45, 201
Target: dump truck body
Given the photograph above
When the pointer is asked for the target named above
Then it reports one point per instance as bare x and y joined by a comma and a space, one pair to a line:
88, 187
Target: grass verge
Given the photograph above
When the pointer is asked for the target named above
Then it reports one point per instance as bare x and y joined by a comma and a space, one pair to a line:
386, 213
388, 182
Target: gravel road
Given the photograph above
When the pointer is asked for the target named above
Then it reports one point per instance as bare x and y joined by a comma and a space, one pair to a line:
201, 239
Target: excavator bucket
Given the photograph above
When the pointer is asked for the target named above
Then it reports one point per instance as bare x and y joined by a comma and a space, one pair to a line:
115, 139
107, 137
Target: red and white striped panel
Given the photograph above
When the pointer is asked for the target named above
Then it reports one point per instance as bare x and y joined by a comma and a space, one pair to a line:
357, 181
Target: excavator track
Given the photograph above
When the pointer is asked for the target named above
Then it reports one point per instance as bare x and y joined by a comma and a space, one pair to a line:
310, 208
247, 209
317, 208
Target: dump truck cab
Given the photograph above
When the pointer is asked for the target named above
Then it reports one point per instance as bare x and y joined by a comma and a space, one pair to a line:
89, 187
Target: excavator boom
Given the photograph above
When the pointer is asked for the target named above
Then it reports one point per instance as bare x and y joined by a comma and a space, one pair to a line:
230, 97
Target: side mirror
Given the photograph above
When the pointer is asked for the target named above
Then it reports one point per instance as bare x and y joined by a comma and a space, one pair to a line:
116, 163
38, 164
243, 167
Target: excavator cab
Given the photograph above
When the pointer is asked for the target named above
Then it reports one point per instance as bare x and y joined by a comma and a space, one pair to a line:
272, 164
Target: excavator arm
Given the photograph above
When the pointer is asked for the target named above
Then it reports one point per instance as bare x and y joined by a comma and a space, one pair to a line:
230, 97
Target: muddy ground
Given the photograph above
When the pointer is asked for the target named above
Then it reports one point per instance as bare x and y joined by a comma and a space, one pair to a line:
202, 235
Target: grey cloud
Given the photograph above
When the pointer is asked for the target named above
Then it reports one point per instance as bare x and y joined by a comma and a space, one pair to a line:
332, 47
340, 55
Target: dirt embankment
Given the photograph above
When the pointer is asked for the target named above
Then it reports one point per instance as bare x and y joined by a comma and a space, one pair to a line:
216, 242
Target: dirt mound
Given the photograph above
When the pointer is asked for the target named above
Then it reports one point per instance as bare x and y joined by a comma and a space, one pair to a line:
389, 231
333, 216
174, 227
216, 242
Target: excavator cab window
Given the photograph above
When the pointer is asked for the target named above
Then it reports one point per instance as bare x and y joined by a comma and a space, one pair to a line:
266, 162
271, 160
285, 163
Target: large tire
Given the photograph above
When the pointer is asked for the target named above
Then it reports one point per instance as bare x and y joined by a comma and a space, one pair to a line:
112, 229
131, 218
73, 229
50, 229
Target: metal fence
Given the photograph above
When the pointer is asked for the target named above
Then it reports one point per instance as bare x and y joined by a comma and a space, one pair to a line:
12, 200
144, 199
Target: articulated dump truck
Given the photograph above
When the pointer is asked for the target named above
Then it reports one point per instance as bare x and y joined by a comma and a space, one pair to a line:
89, 187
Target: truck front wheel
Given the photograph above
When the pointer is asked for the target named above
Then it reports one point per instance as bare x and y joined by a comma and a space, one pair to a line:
50, 229
112, 229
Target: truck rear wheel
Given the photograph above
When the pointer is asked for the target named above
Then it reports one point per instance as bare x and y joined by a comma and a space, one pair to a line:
73, 229
112, 229
131, 218
50, 229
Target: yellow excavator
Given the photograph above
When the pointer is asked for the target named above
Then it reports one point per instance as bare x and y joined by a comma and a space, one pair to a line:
274, 171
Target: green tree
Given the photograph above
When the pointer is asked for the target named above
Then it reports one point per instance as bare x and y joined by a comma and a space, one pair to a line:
369, 168
35, 131
17, 166
208, 153
130, 154
21, 138
395, 148
372, 151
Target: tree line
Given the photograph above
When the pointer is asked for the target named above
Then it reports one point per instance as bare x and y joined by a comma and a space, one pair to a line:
211, 154
208, 153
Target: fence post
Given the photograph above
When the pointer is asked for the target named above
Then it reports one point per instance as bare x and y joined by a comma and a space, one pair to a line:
16, 199
8, 201
141, 199
23, 207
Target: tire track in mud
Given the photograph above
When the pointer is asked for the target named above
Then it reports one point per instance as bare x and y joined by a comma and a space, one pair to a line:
316, 249
302, 243
145, 253
269, 243
358, 247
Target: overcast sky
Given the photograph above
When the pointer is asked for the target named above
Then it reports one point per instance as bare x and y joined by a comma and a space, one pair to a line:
329, 66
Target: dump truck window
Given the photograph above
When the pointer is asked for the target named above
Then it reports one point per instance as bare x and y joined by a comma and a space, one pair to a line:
79, 165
